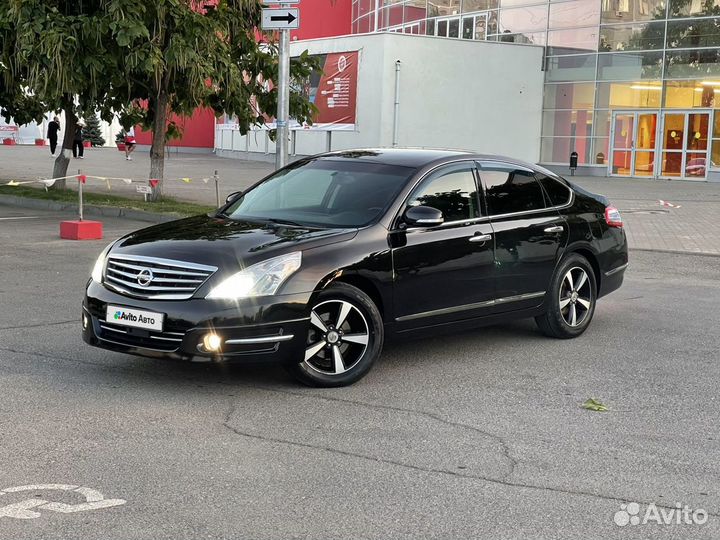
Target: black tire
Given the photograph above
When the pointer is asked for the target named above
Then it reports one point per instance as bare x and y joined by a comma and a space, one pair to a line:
356, 358
562, 299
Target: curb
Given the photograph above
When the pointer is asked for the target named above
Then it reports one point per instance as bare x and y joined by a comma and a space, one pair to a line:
89, 209
677, 252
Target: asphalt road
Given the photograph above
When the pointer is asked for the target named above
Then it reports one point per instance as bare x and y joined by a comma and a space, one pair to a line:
477, 435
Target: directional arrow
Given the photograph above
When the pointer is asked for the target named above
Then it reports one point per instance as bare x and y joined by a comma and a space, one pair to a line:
289, 18
280, 19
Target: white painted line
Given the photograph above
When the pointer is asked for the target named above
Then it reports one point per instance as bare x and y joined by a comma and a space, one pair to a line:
20, 217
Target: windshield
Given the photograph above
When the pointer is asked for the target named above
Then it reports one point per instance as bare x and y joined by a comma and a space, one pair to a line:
325, 193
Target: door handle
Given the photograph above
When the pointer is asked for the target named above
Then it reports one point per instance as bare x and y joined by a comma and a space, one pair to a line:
555, 229
481, 238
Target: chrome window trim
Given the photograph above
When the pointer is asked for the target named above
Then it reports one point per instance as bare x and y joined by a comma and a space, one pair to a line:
476, 305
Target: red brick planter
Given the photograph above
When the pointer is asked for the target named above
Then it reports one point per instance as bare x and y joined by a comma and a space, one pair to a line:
87, 144
39, 142
121, 146
9, 142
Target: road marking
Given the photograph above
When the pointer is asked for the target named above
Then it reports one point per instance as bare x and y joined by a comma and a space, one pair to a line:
94, 500
19, 217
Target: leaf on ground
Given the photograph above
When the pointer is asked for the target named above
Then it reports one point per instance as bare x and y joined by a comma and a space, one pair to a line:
593, 404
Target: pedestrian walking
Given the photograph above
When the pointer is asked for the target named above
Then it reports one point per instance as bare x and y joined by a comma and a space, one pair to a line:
129, 143
52, 134
78, 148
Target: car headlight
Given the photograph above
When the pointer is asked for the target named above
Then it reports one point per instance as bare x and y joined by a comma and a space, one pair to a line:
97, 271
261, 279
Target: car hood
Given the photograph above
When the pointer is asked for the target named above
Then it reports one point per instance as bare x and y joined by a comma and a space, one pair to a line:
225, 243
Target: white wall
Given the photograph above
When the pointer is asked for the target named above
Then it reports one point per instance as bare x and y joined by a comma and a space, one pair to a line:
473, 95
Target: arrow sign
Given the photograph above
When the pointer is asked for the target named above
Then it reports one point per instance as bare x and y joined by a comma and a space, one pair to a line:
280, 19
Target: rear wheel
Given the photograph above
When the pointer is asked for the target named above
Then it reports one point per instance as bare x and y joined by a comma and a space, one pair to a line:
344, 339
571, 299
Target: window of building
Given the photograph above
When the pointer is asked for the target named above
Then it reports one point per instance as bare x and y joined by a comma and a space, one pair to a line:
687, 64
632, 37
573, 41
567, 123
632, 10
509, 190
453, 192
522, 19
693, 33
693, 8
439, 8
469, 6
580, 67
630, 66
691, 94
569, 96
629, 95
574, 14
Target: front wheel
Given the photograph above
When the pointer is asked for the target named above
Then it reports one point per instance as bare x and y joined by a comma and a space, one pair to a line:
571, 299
344, 339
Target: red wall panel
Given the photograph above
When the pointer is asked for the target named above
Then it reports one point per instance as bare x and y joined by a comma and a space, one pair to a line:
318, 19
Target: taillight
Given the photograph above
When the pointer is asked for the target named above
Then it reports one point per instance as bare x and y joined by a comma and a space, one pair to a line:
613, 217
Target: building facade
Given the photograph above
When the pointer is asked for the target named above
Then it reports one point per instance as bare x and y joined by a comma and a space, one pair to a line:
632, 86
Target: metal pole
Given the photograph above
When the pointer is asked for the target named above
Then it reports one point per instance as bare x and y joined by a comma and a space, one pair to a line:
283, 110
80, 201
217, 189
396, 107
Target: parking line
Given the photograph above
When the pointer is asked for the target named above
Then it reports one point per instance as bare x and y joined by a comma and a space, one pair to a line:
19, 217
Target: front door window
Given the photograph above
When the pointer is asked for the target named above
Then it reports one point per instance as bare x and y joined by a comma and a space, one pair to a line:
634, 140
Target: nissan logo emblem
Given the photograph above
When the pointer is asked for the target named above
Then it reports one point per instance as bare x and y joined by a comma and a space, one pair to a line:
145, 277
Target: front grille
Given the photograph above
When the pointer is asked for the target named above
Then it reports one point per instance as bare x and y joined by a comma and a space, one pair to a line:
152, 278
135, 337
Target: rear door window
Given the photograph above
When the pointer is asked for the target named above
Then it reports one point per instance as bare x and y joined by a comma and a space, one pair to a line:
509, 190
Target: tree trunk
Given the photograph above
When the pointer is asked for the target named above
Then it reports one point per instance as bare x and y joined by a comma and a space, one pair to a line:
157, 149
60, 166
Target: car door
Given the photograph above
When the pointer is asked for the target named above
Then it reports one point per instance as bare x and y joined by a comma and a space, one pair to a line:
443, 272
529, 234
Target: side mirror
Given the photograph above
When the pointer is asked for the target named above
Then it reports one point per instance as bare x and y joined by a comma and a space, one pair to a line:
423, 216
233, 195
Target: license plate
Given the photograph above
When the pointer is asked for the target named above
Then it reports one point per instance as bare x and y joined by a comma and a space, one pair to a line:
138, 318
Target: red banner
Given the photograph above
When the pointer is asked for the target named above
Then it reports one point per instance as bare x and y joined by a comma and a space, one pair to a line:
334, 92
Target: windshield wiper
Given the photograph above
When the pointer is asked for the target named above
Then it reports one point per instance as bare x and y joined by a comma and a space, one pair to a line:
286, 222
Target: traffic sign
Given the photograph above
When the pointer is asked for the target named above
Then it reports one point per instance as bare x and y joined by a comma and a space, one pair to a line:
280, 19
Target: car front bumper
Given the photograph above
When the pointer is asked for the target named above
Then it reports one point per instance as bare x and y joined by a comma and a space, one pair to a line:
267, 328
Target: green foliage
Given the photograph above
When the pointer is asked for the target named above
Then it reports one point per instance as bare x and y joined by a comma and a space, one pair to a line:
92, 131
143, 60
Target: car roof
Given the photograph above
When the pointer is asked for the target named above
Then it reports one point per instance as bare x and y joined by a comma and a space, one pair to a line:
418, 157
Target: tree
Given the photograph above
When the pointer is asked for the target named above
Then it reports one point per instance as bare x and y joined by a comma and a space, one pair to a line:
142, 60
47, 65
92, 131
183, 55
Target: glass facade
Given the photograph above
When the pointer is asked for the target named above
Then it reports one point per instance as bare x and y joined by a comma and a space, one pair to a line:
631, 85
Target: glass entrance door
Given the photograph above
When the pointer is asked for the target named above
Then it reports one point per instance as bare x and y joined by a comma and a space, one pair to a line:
634, 142
685, 145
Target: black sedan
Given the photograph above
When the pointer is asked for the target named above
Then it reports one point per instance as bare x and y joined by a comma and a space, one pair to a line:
322, 261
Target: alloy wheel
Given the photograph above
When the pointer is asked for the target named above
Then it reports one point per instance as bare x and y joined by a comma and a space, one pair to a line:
576, 296
338, 337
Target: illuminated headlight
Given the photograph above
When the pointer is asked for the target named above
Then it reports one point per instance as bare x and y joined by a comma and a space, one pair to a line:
97, 271
261, 279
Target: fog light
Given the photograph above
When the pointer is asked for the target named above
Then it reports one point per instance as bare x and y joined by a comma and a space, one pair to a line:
212, 342
85, 322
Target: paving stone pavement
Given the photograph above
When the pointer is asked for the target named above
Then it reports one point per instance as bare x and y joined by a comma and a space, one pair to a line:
693, 226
